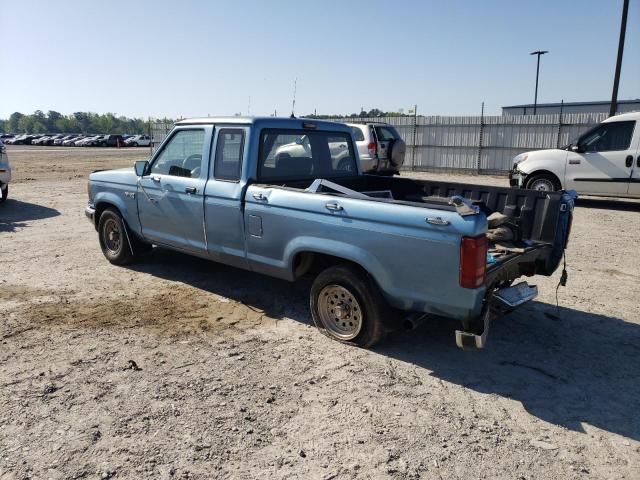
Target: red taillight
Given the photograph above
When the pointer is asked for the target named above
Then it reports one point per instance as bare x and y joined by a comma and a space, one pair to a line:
372, 147
473, 261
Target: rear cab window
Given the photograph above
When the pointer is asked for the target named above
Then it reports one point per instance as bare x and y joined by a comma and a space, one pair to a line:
228, 154
304, 154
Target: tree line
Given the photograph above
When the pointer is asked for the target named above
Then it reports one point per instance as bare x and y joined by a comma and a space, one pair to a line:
89, 122
78, 122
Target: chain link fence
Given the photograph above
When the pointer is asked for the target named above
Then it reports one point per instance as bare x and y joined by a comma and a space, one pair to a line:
471, 144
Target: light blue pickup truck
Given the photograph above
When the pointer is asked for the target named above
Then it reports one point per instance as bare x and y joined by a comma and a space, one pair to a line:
285, 197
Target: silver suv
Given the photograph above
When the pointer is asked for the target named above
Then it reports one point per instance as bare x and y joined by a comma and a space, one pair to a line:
380, 147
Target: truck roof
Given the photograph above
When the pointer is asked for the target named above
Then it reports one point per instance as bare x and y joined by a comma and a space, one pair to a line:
269, 122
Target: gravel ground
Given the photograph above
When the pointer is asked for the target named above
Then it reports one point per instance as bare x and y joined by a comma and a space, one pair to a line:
179, 368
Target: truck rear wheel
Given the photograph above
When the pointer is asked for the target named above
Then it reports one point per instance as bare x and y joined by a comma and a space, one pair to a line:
346, 305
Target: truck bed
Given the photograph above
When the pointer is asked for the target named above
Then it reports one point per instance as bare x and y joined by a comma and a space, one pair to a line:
536, 213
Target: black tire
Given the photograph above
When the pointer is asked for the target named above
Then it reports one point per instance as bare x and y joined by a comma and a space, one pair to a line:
362, 302
135, 144
543, 182
114, 238
5, 194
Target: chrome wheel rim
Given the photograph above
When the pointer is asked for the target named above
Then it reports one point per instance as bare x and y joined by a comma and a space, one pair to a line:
542, 185
340, 312
112, 236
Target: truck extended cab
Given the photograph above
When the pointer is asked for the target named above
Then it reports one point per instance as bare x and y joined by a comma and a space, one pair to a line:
226, 190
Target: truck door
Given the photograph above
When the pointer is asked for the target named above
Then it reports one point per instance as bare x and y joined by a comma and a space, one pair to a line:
171, 194
603, 164
223, 197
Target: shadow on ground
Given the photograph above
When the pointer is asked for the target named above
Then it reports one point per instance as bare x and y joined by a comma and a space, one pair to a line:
581, 368
608, 204
14, 214
276, 298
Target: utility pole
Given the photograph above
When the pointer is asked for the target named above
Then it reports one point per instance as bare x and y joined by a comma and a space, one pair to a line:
535, 99
616, 78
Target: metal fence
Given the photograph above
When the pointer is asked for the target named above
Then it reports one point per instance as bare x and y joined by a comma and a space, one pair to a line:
471, 144
481, 144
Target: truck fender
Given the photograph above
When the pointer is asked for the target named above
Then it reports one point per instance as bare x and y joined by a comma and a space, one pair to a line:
338, 249
103, 200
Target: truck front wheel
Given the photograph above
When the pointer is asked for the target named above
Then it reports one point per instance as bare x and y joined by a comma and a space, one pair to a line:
4, 193
347, 305
113, 237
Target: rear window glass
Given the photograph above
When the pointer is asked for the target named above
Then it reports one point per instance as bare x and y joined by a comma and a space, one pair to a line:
385, 134
229, 149
357, 134
301, 154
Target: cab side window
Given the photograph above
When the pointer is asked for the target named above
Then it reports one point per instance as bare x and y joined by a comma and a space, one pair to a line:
608, 137
182, 156
229, 149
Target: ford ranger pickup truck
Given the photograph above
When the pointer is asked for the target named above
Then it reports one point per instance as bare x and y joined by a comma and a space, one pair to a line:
236, 191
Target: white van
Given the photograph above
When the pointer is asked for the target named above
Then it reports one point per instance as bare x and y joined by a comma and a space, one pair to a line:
604, 161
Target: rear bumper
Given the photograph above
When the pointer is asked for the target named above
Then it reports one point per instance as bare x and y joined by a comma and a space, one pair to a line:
498, 302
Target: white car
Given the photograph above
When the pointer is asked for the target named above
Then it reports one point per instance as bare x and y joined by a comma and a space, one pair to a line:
5, 173
138, 141
604, 161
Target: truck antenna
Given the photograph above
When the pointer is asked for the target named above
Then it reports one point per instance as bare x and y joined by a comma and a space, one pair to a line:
293, 104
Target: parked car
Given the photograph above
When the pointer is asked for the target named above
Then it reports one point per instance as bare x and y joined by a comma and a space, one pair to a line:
60, 140
216, 189
51, 139
88, 141
138, 141
109, 141
5, 173
380, 147
71, 142
39, 139
16, 140
604, 161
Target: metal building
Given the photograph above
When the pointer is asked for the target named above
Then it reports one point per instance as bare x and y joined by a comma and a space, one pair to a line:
572, 107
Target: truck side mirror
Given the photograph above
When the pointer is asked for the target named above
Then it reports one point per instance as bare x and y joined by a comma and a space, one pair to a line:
577, 148
141, 167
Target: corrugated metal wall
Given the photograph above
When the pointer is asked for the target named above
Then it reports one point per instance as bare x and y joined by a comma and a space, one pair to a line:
475, 144
481, 144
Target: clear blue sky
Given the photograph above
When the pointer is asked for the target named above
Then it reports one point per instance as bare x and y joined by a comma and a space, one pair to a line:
187, 58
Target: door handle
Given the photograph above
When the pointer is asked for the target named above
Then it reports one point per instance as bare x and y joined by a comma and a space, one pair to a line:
333, 207
155, 179
260, 197
190, 190
628, 161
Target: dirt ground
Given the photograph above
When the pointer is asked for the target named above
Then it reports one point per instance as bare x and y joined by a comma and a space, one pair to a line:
179, 368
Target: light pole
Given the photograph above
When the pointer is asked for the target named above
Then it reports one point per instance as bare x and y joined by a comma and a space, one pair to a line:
535, 100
